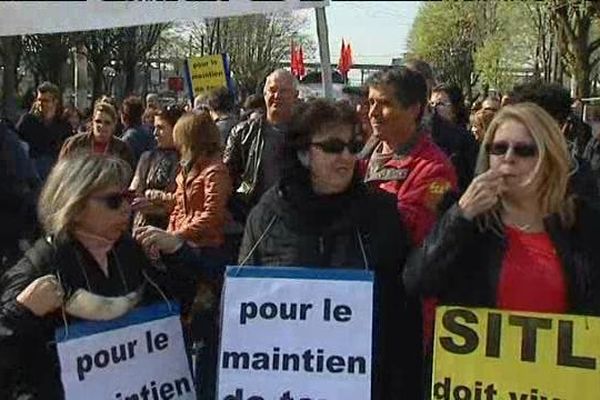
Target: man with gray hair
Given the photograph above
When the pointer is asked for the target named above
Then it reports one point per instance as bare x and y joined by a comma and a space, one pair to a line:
254, 147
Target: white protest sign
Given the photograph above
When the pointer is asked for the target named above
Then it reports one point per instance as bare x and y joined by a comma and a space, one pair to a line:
138, 356
25, 17
296, 333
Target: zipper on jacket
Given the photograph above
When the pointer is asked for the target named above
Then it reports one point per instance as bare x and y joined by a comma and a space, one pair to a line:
321, 245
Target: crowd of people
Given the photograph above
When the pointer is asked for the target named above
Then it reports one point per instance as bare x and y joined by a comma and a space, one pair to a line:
494, 204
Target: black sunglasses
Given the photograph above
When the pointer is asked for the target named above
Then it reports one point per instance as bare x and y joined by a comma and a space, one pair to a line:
337, 146
114, 201
522, 150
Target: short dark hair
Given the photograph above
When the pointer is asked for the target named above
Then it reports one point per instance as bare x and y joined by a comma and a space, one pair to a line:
409, 85
49, 87
455, 95
220, 100
310, 116
132, 110
170, 113
552, 97
255, 102
421, 67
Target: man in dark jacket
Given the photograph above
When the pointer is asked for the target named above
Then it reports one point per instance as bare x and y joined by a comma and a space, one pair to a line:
135, 135
220, 107
43, 128
17, 197
254, 148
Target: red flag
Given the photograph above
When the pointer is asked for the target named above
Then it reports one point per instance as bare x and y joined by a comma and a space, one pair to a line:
300, 57
349, 61
294, 61
342, 67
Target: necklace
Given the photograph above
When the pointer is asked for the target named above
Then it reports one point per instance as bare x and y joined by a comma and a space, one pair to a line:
523, 227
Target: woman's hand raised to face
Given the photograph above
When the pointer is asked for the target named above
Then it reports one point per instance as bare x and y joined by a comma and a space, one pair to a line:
152, 239
42, 296
141, 203
482, 194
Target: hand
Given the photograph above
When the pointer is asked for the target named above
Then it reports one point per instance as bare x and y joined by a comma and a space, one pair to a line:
141, 203
152, 239
482, 194
155, 196
42, 296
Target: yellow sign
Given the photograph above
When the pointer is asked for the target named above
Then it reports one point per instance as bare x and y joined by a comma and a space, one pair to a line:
208, 73
483, 354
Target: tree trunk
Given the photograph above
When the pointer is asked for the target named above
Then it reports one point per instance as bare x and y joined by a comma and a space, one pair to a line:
129, 79
10, 47
582, 67
97, 83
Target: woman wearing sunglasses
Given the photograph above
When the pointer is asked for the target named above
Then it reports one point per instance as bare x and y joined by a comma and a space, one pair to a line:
100, 139
517, 239
86, 268
320, 214
154, 179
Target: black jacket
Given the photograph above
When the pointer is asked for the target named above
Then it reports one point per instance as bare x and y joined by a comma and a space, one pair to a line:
460, 147
291, 226
460, 265
43, 140
29, 367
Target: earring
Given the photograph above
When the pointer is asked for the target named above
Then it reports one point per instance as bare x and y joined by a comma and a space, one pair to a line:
303, 158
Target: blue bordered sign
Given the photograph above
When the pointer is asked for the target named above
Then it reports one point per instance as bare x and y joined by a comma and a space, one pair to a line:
139, 355
296, 333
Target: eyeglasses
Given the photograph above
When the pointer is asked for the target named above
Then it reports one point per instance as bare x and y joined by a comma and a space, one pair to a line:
500, 148
337, 146
114, 201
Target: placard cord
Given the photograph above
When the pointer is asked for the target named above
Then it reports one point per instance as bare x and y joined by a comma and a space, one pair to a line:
253, 249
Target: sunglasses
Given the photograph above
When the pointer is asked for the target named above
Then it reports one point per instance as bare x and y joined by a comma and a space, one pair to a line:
337, 146
522, 150
114, 201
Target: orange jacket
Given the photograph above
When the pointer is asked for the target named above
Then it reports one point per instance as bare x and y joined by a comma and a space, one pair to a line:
201, 199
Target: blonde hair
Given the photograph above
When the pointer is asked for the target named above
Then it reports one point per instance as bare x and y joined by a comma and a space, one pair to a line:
553, 169
71, 182
196, 136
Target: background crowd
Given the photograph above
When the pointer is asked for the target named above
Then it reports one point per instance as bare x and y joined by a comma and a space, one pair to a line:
491, 204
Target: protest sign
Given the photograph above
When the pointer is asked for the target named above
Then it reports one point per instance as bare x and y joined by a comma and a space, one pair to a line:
204, 74
23, 17
138, 356
483, 354
296, 333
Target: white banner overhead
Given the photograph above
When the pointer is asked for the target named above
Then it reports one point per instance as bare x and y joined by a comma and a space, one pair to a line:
29, 17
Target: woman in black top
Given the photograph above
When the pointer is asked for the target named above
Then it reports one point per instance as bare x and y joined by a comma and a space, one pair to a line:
321, 215
154, 179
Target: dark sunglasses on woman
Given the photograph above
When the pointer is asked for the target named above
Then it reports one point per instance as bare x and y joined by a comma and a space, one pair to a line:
114, 201
500, 148
337, 146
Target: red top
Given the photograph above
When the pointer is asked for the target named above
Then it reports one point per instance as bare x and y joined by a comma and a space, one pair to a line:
418, 179
532, 277
99, 148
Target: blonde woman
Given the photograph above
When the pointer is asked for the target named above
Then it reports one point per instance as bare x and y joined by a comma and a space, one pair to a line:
517, 239
86, 265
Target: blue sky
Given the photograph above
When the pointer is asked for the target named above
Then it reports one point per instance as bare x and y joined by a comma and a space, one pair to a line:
377, 30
